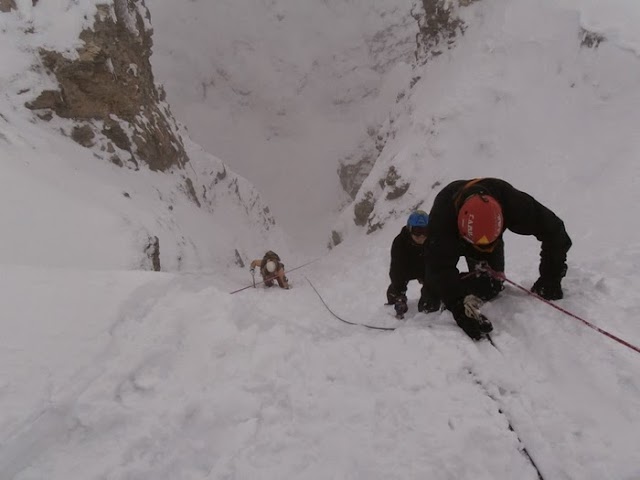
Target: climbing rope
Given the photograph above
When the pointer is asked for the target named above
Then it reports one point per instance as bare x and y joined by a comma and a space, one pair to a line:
262, 281
372, 327
483, 268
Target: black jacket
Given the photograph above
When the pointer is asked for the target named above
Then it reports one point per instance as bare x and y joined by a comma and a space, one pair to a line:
523, 215
407, 261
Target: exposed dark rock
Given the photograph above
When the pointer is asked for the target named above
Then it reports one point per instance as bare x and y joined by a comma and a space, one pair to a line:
191, 191
392, 176
590, 39
51, 99
83, 135
375, 226
352, 175
363, 209
112, 80
397, 191
114, 132
152, 251
438, 28
7, 5
45, 115
116, 160
355, 168
392, 180
336, 238
239, 260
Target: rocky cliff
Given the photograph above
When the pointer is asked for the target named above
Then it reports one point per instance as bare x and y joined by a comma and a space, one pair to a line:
108, 89
81, 72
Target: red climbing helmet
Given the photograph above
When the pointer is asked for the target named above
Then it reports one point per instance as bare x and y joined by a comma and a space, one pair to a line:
480, 221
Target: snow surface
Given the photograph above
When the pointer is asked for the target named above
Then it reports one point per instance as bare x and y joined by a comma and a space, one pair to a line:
617, 20
63, 205
282, 90
113, 373
520, 99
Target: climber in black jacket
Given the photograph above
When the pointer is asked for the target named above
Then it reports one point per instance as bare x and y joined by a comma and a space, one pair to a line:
468, 219
407, 263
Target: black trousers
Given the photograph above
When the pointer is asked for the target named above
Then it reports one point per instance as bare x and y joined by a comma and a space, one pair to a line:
482, 285
425, 293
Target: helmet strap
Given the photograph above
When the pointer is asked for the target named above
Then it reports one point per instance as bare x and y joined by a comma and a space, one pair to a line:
464, 193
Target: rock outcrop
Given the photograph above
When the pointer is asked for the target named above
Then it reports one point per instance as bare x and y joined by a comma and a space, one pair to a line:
108, 90
439, 25
7, 5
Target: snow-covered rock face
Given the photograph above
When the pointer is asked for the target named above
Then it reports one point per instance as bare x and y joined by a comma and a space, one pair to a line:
108, 88
524, 91
7, 5
296, 94
439, 26
83, 69
286, 91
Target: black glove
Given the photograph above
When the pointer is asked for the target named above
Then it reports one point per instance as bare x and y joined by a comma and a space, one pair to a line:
429, 303
466, 313
401, 307
548, 289
394, 295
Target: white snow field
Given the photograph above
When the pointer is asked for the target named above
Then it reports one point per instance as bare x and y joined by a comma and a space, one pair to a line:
109, 372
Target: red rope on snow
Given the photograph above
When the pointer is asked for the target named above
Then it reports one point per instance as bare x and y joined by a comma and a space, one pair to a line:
501, 276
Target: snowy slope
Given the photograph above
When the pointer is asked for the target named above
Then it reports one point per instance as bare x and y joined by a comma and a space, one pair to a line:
62, 205
283, 90
137, 375
520, 98
164, 376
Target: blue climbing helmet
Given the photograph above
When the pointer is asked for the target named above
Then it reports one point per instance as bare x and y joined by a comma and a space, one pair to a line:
417, 223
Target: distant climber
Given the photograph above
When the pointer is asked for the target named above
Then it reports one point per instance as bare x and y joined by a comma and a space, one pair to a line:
271, 268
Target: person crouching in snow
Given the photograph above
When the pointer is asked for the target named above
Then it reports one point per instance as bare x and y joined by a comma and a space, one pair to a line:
271, 268
408, 263
468, 219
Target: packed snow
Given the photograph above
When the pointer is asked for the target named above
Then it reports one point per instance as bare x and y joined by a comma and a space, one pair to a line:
111, 372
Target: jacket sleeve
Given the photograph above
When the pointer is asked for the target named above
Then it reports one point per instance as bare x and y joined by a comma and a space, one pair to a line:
442, 252
526, 216
255, 263
399, 265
